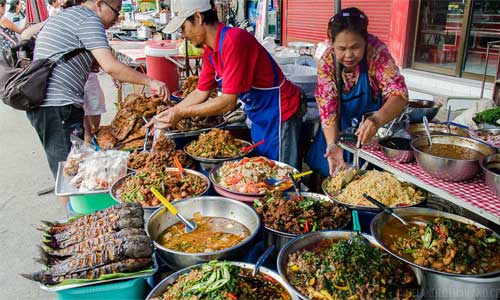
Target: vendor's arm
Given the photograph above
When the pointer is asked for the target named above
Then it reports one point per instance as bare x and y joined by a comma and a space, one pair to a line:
394, 91
124, 73
212, 107
327, 98
5, 22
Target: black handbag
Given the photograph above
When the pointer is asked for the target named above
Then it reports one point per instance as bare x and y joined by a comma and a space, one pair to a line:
24, 88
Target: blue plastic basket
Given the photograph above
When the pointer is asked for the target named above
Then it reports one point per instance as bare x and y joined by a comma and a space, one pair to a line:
133, 289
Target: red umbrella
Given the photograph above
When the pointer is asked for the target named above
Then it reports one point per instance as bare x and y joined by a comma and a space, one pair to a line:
36, 11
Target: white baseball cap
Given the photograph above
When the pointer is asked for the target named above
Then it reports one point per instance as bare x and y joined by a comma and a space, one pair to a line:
183, 9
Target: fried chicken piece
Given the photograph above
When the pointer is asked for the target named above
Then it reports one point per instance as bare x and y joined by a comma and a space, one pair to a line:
105, 138
123, 123
163, 144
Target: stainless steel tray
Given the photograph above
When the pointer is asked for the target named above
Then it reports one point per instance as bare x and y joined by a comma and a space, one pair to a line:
64, 186
180, 134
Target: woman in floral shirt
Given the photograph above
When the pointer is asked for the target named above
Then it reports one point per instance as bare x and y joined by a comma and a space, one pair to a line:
370, 82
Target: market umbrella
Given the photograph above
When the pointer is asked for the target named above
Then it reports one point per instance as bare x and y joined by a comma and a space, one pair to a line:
36, 11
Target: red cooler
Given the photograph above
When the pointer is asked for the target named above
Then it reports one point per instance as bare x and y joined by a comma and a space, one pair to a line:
160, 68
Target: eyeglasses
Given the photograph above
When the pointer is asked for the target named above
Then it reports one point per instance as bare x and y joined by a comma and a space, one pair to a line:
116, 11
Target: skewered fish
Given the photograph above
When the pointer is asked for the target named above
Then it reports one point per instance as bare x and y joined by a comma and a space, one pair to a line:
107, 216
125, 266
85, 245
131, 247
76, 235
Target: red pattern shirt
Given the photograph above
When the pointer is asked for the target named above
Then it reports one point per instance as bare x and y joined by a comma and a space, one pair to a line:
383, 74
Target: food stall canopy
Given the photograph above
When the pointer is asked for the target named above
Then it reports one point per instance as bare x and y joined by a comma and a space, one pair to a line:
36, 11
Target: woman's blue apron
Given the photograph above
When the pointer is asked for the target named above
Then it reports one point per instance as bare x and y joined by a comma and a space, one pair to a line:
355, 103
263, 108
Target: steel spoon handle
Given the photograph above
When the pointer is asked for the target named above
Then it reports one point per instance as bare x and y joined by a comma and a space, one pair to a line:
386, 209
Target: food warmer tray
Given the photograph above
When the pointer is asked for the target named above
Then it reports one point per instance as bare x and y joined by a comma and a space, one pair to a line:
65, 188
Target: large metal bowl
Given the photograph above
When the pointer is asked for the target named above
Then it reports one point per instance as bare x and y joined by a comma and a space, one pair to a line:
417, 109
397, 155
312, 238
115, 190
418, 130
165, 284
449, 169
492, 179
280, 238
368, 208
383, 220
245, 197
207, 207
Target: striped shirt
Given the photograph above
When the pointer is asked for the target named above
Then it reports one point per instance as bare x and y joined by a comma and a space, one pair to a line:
74, 28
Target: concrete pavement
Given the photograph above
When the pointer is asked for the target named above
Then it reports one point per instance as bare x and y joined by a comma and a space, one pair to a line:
23, 172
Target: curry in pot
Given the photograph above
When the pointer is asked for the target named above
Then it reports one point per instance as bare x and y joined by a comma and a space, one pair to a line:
212, 234
452, 151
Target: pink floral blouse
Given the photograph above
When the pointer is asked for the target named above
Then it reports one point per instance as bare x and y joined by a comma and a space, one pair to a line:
382, 70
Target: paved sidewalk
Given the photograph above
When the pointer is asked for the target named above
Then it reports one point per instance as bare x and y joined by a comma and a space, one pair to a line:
23, 172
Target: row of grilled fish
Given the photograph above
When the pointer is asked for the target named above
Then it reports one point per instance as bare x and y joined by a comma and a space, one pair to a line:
109, 241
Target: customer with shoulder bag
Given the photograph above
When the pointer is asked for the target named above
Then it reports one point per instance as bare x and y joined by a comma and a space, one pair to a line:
61, 113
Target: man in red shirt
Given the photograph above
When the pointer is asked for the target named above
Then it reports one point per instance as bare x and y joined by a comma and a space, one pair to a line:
234, 61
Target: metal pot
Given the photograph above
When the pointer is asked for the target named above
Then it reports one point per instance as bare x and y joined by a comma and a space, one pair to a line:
115, 190
383, 220
163, 286
492, 179
397, 155
206, 206
449, 169
418, 108
280, 238
440, 285
418, 130
306, 240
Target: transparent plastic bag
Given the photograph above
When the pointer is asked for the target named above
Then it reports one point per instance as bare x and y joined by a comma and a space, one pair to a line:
79, 151
102, 169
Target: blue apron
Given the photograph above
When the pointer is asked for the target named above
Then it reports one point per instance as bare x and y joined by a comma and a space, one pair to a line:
263, 108
355, 103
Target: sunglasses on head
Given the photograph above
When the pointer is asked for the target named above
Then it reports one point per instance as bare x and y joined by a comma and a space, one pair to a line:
341, 15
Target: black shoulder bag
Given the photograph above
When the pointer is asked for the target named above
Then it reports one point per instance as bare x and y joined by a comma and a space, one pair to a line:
24, 88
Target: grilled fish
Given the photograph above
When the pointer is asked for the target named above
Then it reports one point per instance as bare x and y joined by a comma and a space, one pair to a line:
109, 215
76, 235
87, 244
50, 277
131, 247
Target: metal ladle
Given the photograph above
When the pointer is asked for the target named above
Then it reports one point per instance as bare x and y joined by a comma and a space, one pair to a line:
386, 209
189, 226
427, 130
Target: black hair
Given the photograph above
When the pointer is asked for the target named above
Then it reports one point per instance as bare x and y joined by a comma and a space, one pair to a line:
349, 19
68, 4
209, 16
51, 2
13, 5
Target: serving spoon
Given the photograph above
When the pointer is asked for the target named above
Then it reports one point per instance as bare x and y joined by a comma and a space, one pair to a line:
189, 226
427, 130
356, 227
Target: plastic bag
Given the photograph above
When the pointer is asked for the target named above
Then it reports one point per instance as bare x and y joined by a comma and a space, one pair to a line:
101, 169
79, 151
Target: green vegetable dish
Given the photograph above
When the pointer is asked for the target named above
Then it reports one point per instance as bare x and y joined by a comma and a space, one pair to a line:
489, 116
340, 269
221, 281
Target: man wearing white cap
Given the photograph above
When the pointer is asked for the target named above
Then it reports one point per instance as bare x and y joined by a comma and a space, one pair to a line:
241, 68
